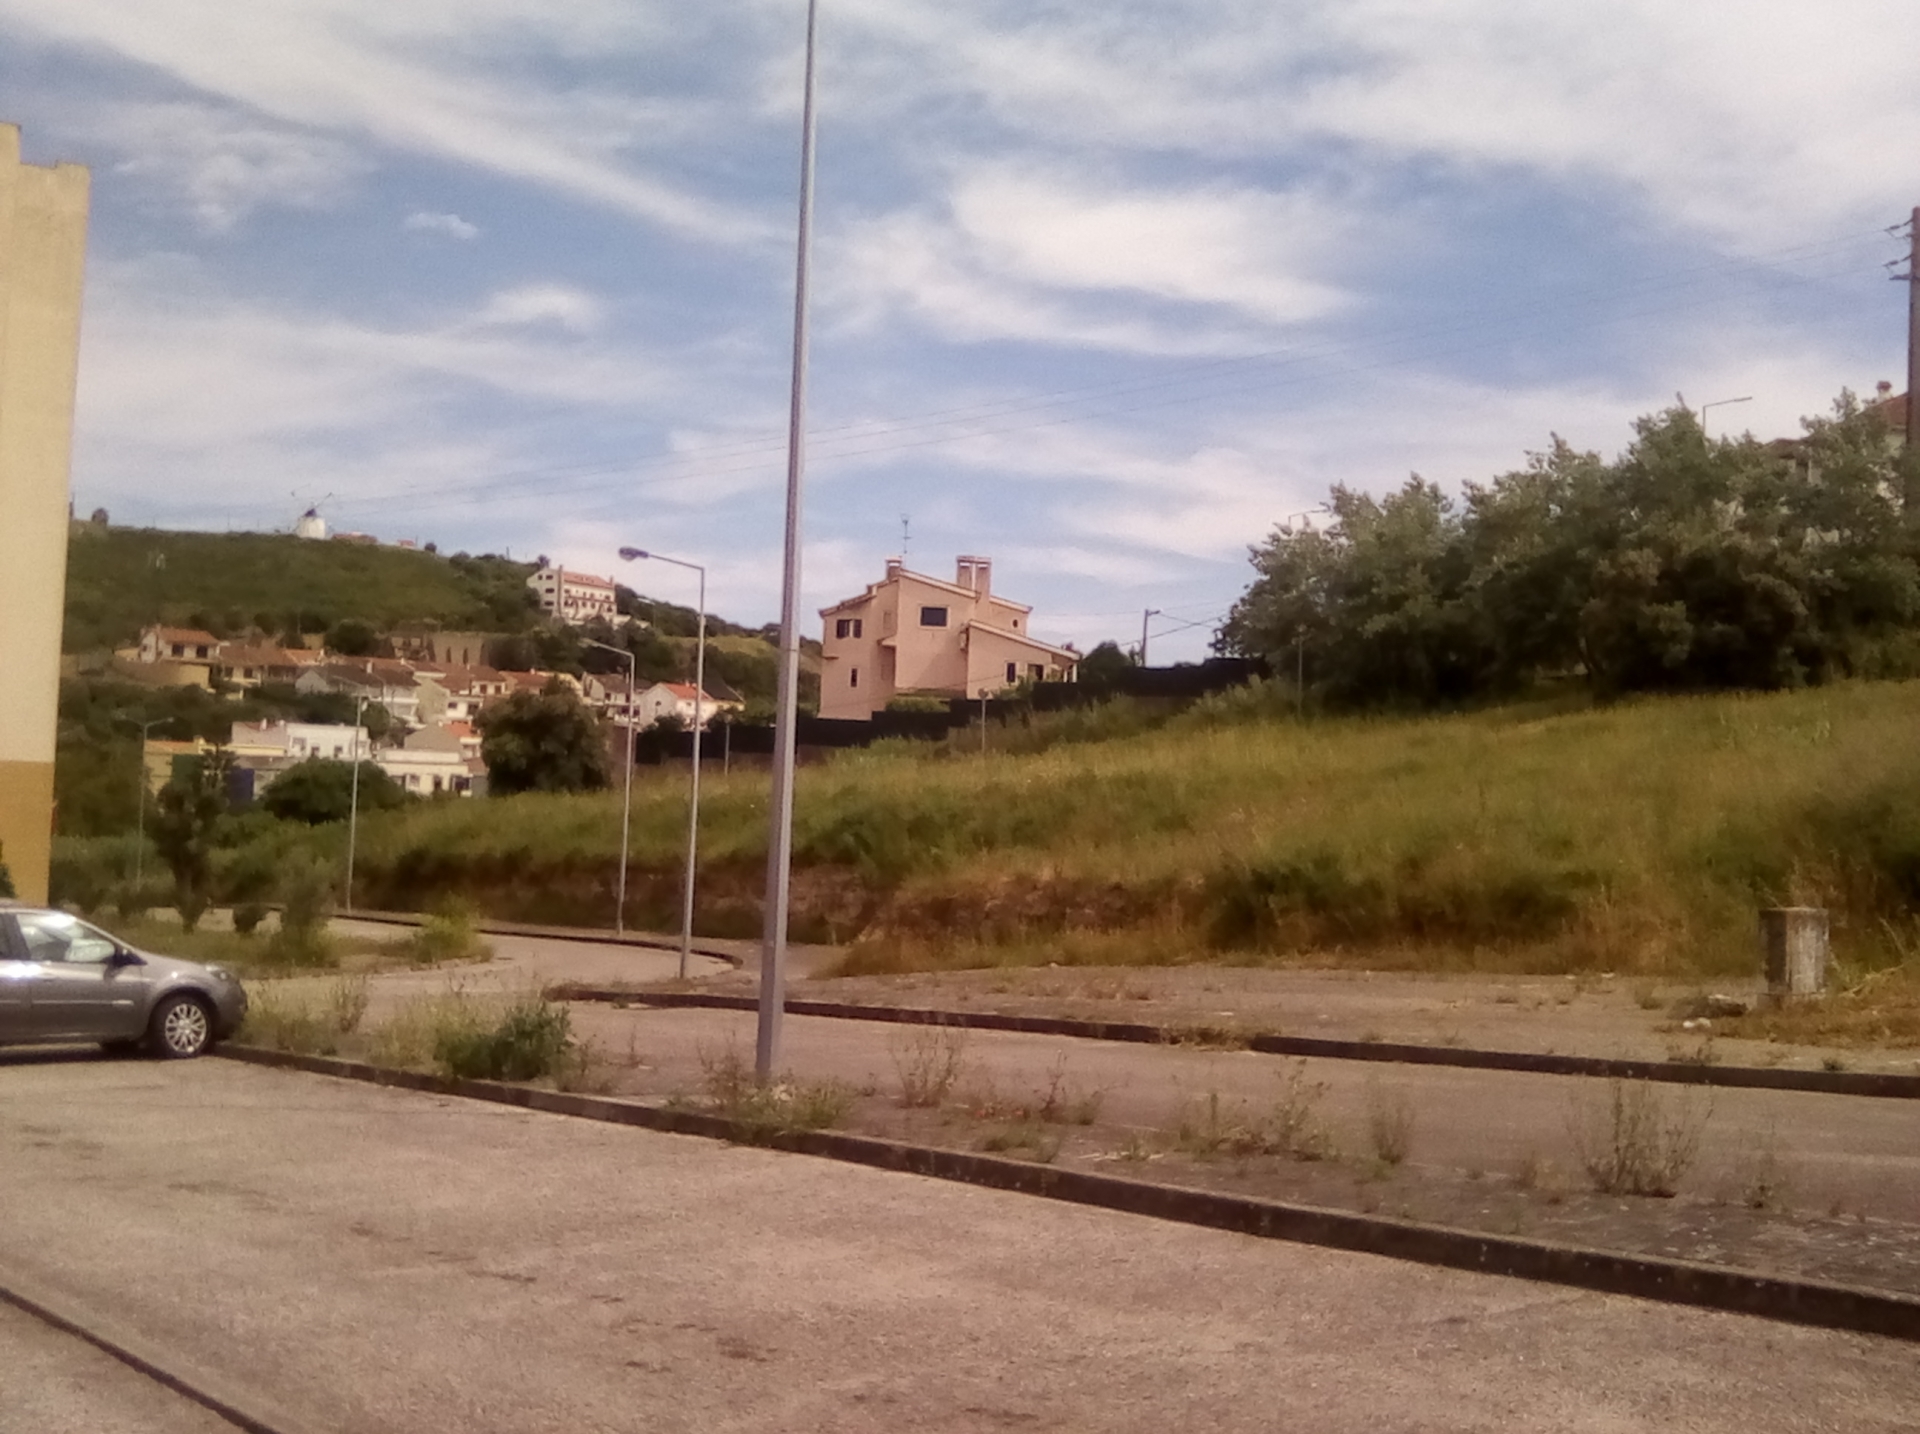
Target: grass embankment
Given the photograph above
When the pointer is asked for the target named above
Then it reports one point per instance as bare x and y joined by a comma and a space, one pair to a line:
1638, 837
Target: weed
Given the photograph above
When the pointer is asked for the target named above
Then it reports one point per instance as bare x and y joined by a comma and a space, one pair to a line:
1539, 1175
1762, 1173
763, 1109
409, 1038
1028, 1137
1389, 1124
1291, 1126
283, 1020
1295, 1120
345, 1004
1647, 996
1203, 1036
1638, 1140
447, 935
1060, 1101
528, 1041
928, 1061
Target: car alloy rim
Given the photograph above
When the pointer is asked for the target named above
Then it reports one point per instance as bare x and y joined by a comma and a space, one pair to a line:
186, 1027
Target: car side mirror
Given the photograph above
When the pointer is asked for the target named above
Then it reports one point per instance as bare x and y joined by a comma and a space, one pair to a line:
123, 957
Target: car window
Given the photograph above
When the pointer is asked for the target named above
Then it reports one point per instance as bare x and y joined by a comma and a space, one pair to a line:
55, 936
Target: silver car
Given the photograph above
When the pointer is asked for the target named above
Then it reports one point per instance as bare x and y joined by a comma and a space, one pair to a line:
63, 981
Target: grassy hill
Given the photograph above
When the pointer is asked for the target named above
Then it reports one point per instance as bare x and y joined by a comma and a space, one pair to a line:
120, 579
1635, 838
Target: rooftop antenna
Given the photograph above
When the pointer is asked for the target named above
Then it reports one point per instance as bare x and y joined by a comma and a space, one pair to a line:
906, 536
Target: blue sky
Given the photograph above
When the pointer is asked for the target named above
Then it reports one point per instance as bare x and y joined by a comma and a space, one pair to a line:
1103, 292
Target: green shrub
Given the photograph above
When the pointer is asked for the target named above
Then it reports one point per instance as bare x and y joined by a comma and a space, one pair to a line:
448, 935
248, 915
306, 894
529, 1041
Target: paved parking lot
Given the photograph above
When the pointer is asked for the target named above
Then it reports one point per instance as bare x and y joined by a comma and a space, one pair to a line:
378, 1260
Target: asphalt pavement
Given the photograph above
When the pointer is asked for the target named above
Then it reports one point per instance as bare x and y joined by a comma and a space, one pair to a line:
375, 1260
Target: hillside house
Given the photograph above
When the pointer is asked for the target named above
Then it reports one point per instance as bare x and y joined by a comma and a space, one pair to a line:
178, 644
677, 699
914, 634
574, 598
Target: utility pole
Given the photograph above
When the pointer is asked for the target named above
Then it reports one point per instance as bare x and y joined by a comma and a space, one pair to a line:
1145, 618
1913, 334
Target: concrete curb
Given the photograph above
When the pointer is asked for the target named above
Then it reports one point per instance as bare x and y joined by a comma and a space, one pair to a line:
583, 934
1792, 1301
206, 1390
1867, 1083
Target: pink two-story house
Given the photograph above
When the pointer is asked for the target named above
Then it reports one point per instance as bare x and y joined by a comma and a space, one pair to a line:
910, 634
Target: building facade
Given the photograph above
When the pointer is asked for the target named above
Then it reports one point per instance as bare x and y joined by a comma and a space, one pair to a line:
910, 634
43, 238
574, 598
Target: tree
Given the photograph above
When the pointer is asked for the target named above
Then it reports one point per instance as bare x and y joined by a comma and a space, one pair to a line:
6, 878
186, 819
353, 638
1687, 563
1100, 671
319, 790
547, 741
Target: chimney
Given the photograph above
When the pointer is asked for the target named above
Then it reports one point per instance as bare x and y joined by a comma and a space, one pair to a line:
894, 567
975, 574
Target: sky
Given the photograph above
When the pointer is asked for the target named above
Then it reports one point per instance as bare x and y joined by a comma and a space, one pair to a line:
1101, 292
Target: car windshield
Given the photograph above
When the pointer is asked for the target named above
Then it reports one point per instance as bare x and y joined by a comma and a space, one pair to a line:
56, 936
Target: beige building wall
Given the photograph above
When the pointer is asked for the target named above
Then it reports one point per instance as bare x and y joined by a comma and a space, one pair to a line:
43, 229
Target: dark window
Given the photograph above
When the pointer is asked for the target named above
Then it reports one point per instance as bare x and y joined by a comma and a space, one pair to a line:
1038, 671
1013, 672
853, 677
843, 627
933, 617
856, 627
1016, 624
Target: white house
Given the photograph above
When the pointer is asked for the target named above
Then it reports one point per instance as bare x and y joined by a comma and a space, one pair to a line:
297, 741
574, 598
426, 772
675, 699
178, 644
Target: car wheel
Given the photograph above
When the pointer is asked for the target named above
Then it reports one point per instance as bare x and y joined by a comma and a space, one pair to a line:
181, 1028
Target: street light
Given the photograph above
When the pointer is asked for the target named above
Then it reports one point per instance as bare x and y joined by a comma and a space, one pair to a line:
773, 940
353, 802
699, 697
1718, 403
626, 805
140, 828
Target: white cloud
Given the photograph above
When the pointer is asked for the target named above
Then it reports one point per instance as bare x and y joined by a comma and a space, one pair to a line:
534, 305
224, 165
1027, 254
452, 226
447, 81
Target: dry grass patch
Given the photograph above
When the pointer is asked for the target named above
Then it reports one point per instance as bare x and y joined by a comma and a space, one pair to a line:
1880, 1009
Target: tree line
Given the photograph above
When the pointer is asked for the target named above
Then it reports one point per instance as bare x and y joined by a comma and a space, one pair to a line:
1686, 563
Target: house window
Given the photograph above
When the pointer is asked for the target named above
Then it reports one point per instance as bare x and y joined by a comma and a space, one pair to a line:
853, 677
846, 627
1013, 672
1038, 672
933, 617
1016, 624
856, 627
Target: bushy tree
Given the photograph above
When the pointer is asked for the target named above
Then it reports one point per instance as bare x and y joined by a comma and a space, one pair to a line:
320, 790
1687, 563
185, 827
547, 741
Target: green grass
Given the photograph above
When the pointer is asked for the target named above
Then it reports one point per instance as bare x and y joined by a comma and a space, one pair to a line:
1635, 838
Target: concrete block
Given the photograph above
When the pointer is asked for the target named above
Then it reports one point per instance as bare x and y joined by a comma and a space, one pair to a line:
1794, 939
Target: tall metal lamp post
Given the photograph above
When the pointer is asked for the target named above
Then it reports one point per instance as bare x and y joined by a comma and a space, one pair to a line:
626, 802
773, 940
140, 821
1718, 403
353, 802
699, 721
